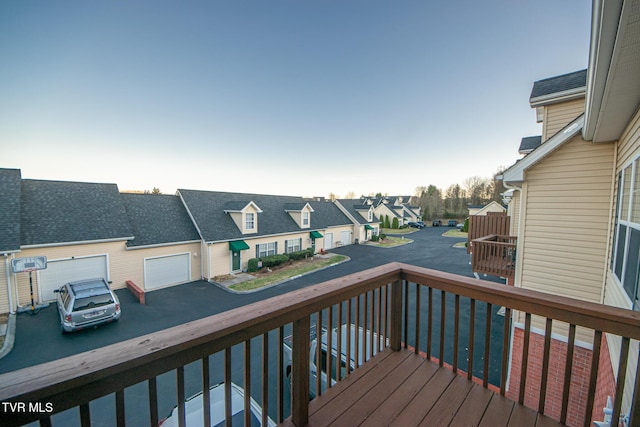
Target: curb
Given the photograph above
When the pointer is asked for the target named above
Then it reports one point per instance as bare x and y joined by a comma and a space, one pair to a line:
9, 338
297, 276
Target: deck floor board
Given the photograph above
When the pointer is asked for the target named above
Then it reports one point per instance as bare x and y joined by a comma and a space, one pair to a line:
402, 388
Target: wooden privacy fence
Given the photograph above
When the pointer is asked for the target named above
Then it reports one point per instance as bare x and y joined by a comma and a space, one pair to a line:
494, 223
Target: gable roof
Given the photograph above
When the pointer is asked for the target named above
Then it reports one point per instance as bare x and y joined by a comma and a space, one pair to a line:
10, 210
559, 88
158, 219
54, 212
353, 207
515, 174
529, 143
207, 210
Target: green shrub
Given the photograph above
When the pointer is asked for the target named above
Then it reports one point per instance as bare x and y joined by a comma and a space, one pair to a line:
466, 226
306, 253
394, 224
274, 260
252, 265
382, 236
386, 222
375, 238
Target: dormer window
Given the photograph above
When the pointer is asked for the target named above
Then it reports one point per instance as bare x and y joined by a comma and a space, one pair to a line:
370, 215
305, 218
250, 221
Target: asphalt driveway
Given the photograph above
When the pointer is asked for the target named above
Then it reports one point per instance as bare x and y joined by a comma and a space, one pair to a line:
38, 338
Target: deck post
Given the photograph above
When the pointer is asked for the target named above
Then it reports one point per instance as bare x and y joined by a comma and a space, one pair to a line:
395, 339
300, 372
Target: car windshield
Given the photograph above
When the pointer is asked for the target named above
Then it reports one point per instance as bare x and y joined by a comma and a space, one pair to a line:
92, 302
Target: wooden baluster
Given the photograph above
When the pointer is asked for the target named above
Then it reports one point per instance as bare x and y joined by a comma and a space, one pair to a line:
153, 401
545, 365
182, 416
417, 327
456, 331
206, 392
443, 316
505, 350
525, 357
622, 373
120, 418
265, 378
472, 334
487, 345
567, 373
593, 377
300, 373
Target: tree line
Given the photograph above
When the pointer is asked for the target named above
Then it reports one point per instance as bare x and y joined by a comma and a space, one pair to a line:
455, 201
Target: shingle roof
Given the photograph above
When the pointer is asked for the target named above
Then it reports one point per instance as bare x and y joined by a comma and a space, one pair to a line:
9, 210
354, 207
207, 209
529, 143
157, 219
557, 84
60, 212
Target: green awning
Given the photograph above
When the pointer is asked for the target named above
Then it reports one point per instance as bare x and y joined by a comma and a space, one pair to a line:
238, 245
368, 227
315, 235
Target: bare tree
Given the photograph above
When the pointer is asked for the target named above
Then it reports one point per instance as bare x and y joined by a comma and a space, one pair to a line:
333, 196
350, 195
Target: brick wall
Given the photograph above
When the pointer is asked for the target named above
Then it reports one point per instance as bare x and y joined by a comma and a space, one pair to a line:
555, 382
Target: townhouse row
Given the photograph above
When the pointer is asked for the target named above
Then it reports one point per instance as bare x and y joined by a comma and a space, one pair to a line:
93, 230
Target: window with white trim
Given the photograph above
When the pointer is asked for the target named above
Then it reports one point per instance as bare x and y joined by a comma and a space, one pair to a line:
266, 249
625, 260
249, 221
305, 218
370, 215
293, 245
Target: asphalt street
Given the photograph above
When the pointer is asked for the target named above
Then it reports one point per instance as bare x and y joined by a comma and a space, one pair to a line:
38, 338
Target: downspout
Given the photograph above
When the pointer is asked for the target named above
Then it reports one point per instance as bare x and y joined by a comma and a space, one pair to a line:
7, 266
612, 211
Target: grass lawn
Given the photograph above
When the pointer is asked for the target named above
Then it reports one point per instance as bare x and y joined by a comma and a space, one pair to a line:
286, 272
407, 230
455, 233
390, 242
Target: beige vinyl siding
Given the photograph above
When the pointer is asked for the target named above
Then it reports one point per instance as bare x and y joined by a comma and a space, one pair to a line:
629, 144
4, 293
514, 212
567, 215
557, 116
123, 264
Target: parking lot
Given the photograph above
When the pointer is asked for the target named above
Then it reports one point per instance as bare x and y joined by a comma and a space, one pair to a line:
38, 338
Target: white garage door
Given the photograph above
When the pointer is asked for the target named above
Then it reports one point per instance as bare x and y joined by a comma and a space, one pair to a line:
345, 237
166, 270
328, 241
59, 272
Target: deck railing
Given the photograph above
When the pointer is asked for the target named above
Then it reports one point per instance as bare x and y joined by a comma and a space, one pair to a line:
494, 255
449, 318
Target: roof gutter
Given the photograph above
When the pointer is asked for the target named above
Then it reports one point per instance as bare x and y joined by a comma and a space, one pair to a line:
566, 95
81, 242
604, 29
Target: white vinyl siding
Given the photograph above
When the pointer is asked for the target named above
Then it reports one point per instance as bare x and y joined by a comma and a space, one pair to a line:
59, 272
166, 270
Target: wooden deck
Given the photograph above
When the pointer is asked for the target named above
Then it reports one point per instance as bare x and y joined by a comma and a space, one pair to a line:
403, 389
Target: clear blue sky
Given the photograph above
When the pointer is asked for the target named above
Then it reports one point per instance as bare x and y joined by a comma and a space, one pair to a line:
277, 97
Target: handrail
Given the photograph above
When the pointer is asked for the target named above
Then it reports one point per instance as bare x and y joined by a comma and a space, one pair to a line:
84, 377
